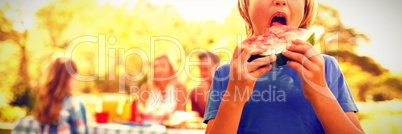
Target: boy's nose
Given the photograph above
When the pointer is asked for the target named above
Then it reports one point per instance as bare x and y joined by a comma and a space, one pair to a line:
280, 2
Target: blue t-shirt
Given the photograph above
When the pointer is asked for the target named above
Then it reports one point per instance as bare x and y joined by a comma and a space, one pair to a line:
277, 103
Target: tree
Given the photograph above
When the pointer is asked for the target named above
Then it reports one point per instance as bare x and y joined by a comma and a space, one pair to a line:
8, 32
359, 71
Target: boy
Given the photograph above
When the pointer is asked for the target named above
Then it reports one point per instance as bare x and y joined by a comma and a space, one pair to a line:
314, 96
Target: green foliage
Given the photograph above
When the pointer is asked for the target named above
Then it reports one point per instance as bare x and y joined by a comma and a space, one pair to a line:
23, 96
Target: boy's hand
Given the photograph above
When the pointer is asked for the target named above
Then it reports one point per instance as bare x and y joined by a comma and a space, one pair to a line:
310, 66
243, 74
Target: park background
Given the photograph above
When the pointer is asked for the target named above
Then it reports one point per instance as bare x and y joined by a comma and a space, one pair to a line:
363, 35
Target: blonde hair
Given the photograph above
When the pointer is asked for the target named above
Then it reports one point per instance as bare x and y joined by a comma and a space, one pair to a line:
171, 63
169, 59
310, 9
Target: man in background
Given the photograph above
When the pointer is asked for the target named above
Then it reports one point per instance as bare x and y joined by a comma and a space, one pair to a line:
199, 95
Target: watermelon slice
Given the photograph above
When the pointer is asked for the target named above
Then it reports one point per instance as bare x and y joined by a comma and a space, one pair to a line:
276, 38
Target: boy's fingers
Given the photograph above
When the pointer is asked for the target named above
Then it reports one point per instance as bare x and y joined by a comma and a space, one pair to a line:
297, 48
237, 54
238, 50
301, 42
243, 53
248, 51
306, 48
251, 66
305, 74
297, 66
298, 57
260, 71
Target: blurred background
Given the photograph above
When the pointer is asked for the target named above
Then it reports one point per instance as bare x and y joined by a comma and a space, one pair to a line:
363, 35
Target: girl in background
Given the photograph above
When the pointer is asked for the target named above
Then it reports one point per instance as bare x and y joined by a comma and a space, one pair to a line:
57, 111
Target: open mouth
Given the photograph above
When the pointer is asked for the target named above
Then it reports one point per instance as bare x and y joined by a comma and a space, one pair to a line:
278, 17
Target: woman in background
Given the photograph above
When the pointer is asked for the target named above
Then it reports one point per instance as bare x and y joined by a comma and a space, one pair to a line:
57, 111
163, 94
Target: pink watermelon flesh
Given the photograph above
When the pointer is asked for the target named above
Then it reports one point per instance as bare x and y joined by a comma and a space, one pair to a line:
275, 40
277, 36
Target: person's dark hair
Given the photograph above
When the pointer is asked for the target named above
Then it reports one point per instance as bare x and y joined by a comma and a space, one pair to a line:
213, 56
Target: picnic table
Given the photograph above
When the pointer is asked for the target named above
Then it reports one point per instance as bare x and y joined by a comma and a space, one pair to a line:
115, 128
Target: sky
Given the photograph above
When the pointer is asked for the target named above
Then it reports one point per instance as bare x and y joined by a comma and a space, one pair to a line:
380, 20
216, 10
